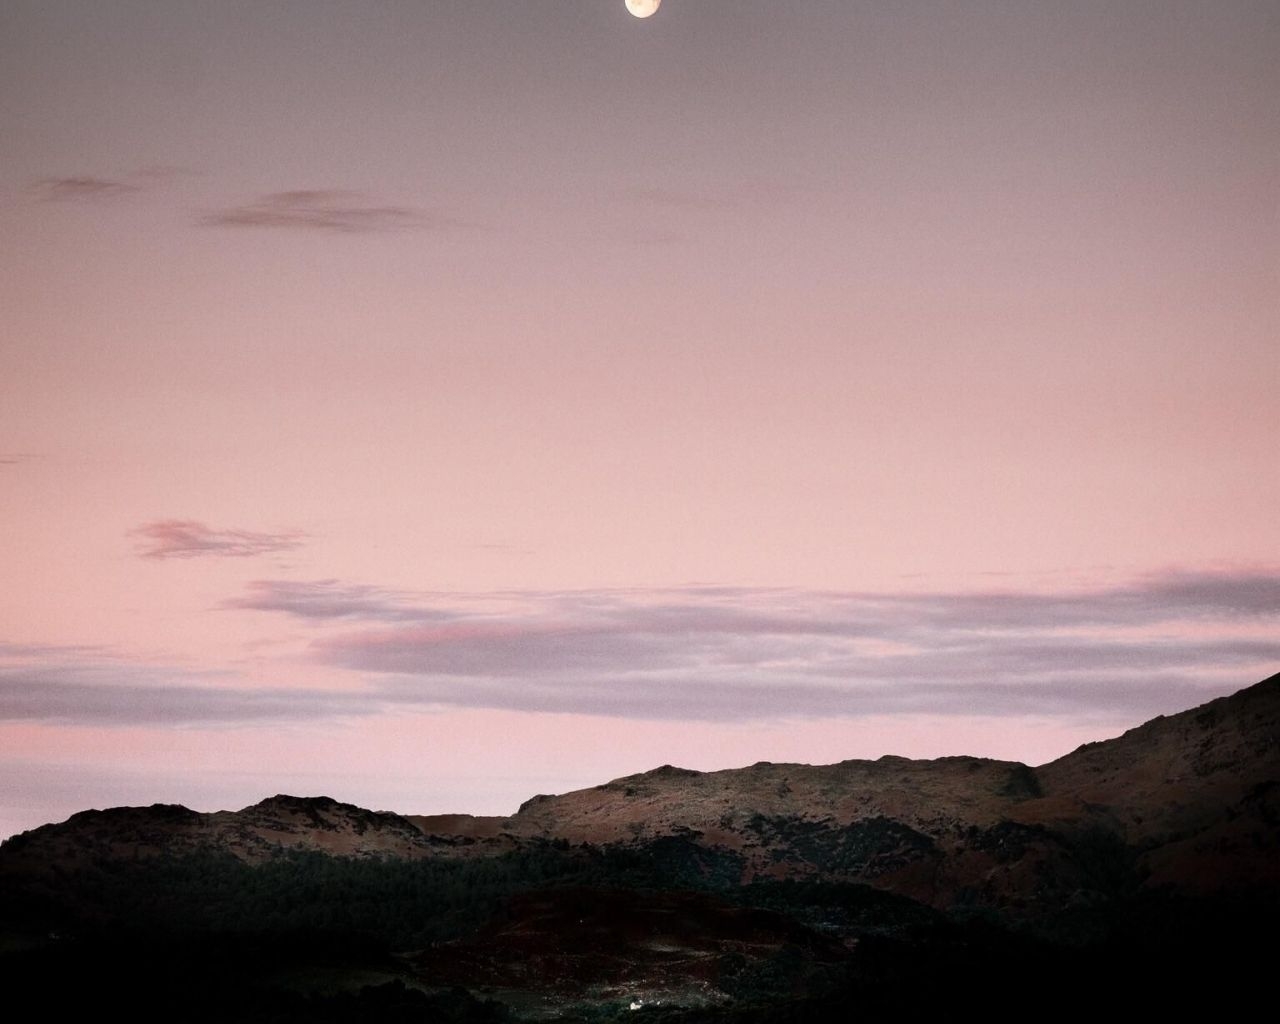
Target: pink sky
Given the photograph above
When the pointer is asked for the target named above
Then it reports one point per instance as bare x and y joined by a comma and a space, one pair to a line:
430, 404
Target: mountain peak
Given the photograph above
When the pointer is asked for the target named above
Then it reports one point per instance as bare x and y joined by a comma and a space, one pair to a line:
670, 771
287, 802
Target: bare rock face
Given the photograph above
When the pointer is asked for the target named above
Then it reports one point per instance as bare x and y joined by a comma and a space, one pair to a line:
268, 829
316, 823
118, 833
925, 795
1190, 801
922, 828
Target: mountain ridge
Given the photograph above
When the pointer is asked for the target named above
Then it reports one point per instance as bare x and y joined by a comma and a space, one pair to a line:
910, 889
1191, 799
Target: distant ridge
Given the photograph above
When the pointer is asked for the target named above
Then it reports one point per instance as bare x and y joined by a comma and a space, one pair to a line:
1189, 801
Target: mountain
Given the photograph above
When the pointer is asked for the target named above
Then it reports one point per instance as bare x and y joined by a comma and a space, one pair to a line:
1193, 799
704, 889
1188, 800
1196, 795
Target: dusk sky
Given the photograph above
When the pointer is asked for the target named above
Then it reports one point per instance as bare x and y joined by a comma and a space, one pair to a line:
431, 403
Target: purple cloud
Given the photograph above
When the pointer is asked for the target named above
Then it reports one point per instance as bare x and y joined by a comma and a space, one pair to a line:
327, 600
1151, 646
701, 697
91, 685
189, 538
43, 698
1115, 654
80, 189
318, 210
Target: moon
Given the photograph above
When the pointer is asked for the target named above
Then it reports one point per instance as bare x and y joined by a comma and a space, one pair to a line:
643, 8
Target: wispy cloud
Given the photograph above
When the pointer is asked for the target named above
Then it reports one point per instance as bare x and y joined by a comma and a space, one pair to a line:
92, 687
81, 188
1106, 655
327, 600
1152, 646
189, 538
327, 210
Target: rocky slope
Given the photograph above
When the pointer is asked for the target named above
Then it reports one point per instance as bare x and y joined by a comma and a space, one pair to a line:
1190, 800
1195, 795
265, 830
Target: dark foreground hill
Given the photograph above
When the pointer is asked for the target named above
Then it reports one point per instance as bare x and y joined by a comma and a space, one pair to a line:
773, 892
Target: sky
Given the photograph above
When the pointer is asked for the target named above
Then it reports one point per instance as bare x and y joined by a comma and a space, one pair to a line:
430, 404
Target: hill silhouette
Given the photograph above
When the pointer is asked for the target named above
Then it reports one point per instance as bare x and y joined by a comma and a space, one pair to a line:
713, 893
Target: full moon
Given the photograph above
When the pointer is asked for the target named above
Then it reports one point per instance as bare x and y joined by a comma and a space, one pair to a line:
643, 8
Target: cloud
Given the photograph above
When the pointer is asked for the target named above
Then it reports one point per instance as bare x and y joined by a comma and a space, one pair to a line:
94, 685
48, 698
701, 696
326, 600
319, 210
1115, 655
1155, 645
57, 689
80, 189
189, 538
